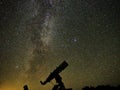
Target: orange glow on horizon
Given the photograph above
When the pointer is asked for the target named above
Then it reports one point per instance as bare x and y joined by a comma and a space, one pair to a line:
9, 87
12, 86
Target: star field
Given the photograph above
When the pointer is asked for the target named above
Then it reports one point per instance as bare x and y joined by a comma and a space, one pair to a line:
37, 35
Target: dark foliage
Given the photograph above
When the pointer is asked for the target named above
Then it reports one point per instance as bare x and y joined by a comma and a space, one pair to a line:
102, 87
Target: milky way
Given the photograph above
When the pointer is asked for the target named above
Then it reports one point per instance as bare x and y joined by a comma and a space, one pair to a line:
40, 34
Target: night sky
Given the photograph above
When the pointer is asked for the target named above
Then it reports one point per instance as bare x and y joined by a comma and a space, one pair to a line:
37, 35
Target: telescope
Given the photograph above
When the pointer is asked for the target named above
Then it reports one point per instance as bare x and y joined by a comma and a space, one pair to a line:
52, 75
55, 75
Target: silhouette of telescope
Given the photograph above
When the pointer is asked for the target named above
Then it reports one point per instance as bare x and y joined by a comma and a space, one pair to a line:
53, 74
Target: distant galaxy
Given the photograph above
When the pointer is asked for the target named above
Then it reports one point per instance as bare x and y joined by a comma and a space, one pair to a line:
37, 35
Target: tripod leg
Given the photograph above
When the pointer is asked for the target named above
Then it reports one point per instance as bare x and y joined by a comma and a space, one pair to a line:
55, 87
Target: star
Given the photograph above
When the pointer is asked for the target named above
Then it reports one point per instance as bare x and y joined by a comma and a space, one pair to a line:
16, 66
75, 39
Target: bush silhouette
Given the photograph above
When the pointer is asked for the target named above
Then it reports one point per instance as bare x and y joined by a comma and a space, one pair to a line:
102, 87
